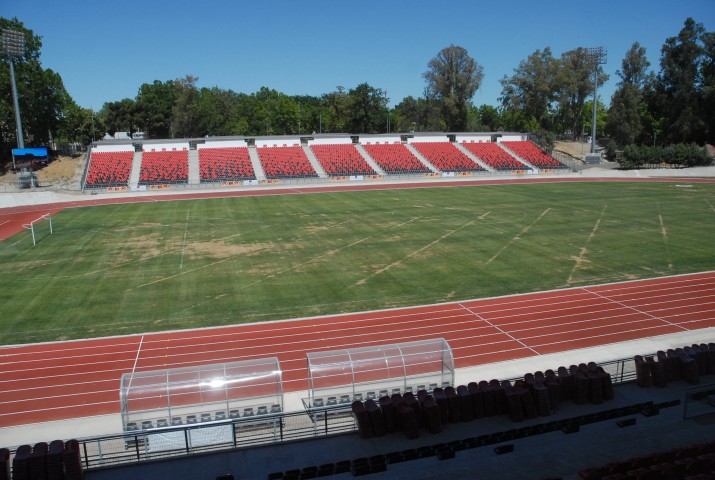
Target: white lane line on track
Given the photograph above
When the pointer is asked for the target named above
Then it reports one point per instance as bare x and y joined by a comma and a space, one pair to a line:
136, 360
650, 315
498, 329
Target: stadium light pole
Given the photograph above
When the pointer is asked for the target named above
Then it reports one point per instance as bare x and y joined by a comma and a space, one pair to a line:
596, 56
13, 44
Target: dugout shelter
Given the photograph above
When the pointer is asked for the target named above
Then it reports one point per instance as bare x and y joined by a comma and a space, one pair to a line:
342, 376
202, 393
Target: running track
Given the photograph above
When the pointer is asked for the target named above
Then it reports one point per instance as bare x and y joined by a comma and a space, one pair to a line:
73, 379
56, 381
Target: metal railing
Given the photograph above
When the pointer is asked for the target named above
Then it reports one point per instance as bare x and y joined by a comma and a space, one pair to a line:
142, 445
137, 446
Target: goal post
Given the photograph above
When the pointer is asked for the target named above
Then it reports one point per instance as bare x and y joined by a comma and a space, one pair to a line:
40, 227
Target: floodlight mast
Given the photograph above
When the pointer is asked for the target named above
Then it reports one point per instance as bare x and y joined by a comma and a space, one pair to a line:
596, 56
13, 45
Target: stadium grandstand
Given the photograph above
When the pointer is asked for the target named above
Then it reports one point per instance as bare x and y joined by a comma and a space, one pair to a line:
131, 164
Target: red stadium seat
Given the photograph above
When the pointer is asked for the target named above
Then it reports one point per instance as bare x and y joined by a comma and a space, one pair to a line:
164, 167
446, 157
285, 162
109, 169
395, 158
225, 164
533, 154
494, 156
342, 160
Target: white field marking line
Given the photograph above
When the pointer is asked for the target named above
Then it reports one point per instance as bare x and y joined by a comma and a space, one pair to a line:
3, 223
122, 264
515, 238
294, 267
412, 254
498, 329
159, 280
315, 259
635, 309
183, 245
710, 205
664, 233
582, 252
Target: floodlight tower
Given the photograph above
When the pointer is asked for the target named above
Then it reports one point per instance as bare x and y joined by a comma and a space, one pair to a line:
596, 56
13, 44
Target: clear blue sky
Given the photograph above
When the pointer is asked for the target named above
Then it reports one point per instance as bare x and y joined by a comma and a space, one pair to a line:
105, 50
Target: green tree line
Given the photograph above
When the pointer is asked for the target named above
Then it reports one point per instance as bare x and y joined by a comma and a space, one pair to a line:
545, 94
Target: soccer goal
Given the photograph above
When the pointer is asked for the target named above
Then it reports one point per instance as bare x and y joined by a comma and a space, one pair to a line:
41, 227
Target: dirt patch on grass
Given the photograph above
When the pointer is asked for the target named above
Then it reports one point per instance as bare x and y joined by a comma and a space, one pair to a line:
223, 249
139, 247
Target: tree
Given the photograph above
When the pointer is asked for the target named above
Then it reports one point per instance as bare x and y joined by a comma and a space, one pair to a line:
680, 82
601, 116
418, 115
185, 113
489, 118
574, 84
707, 73
453, 77
532, 89
217, 112
367, 110
154, 104
625, 117
336, 104
120, 116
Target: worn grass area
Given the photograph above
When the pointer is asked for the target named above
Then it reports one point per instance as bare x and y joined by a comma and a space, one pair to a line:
145, 267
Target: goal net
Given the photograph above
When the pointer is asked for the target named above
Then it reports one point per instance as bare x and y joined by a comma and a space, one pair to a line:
41, 227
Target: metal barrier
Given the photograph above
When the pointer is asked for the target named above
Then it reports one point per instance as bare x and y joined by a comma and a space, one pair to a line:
141, 445
157, 443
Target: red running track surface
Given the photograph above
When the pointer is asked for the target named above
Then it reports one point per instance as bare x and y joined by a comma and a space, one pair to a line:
54, 381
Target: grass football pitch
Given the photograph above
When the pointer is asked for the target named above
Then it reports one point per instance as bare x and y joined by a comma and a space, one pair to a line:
145, 267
